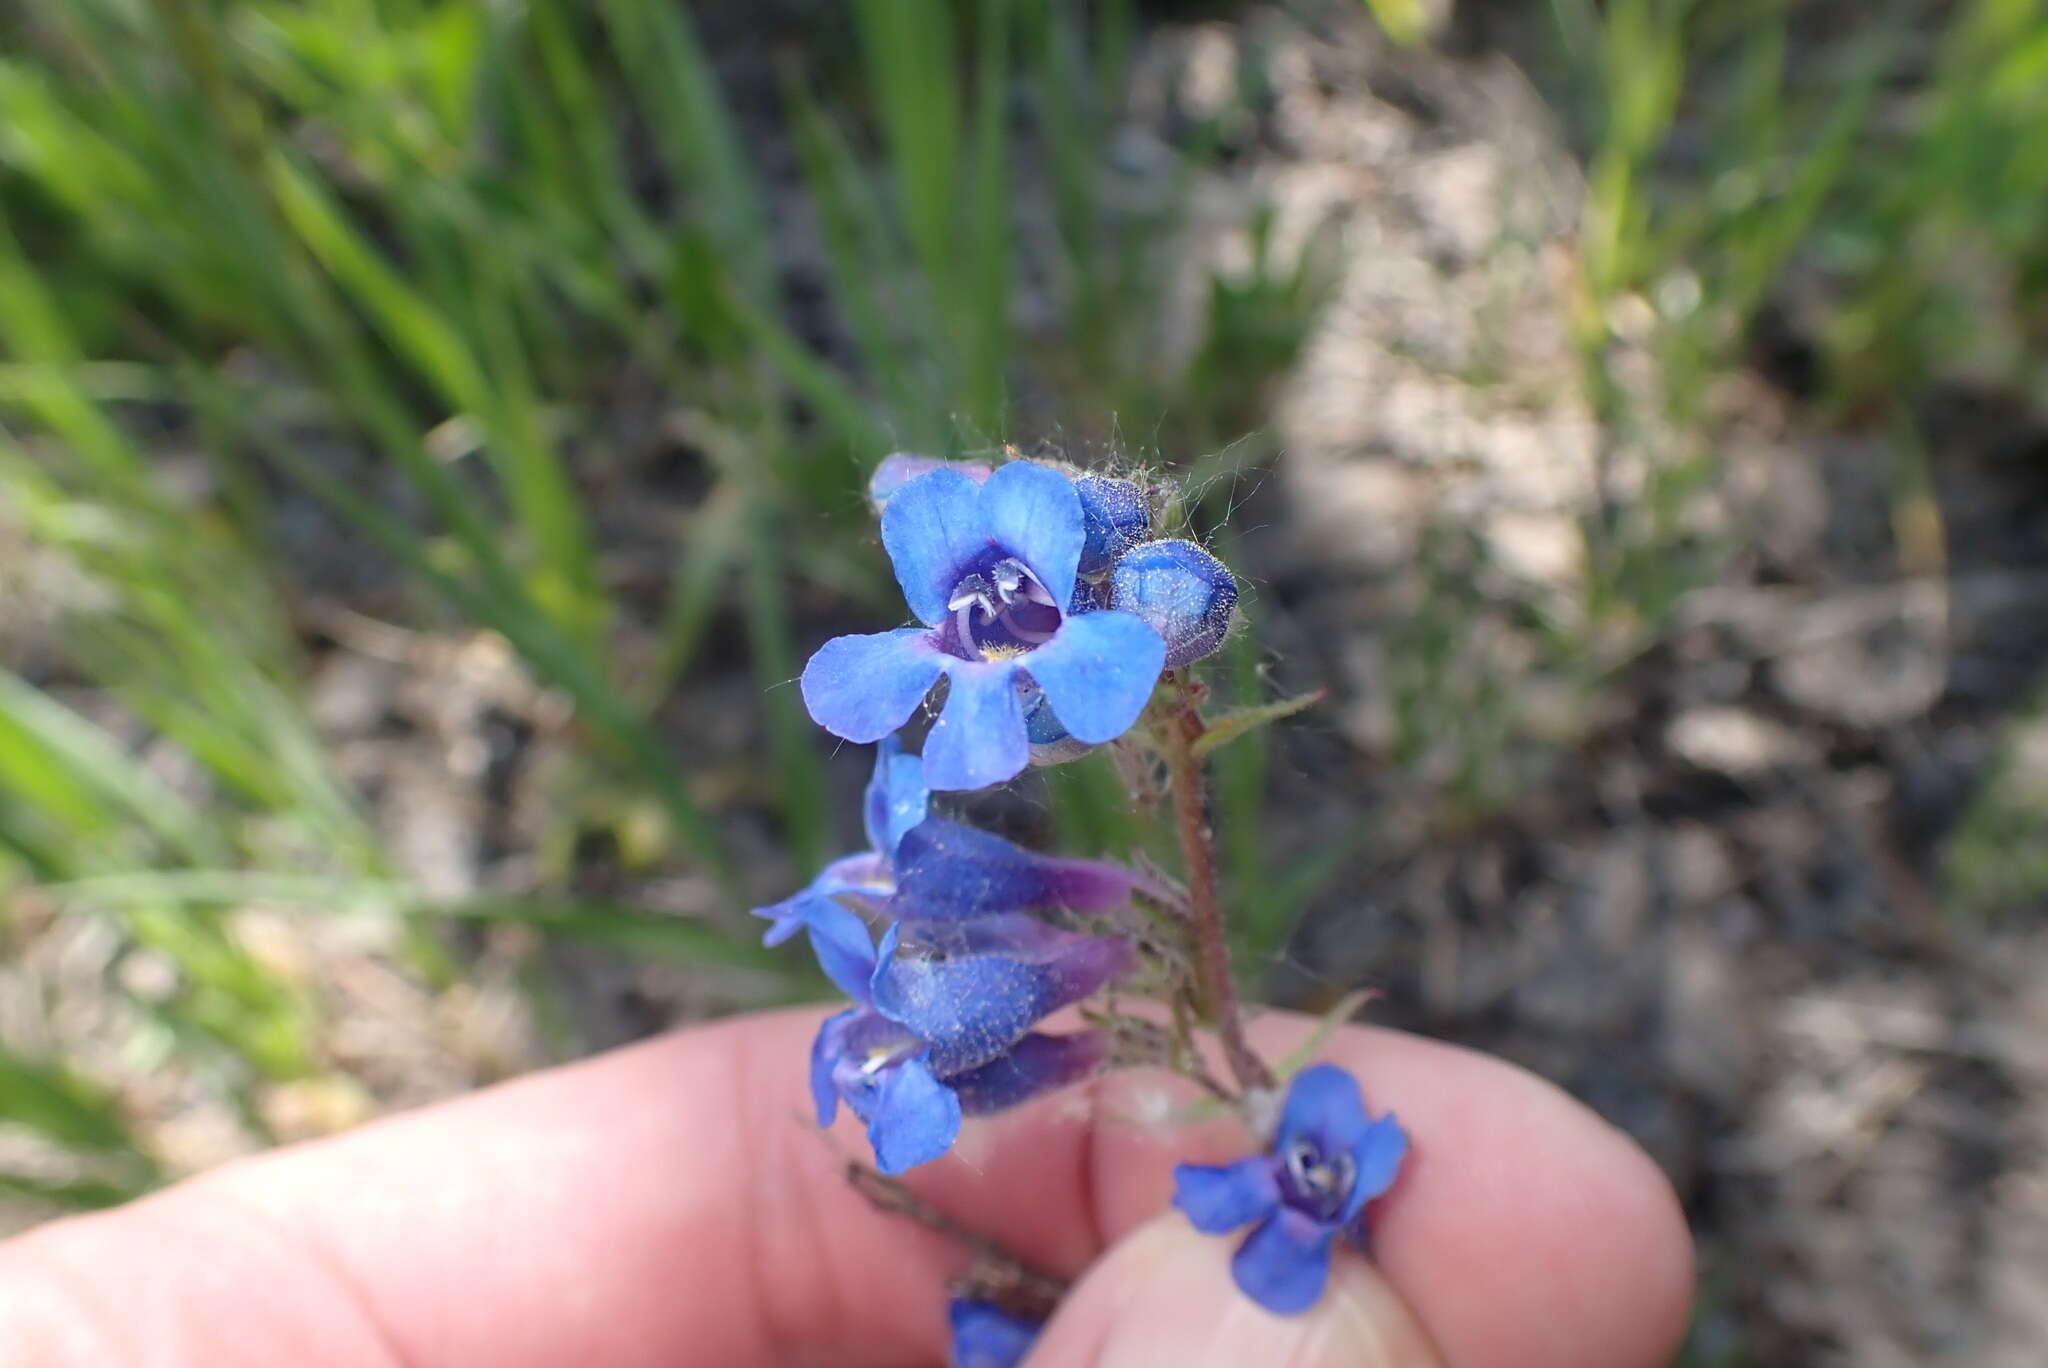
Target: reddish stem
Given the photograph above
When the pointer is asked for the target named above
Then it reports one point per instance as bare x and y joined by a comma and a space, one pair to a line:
1217, 994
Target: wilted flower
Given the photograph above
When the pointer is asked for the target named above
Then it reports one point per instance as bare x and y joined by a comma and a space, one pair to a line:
1328, 1160
989, 569
1180, 591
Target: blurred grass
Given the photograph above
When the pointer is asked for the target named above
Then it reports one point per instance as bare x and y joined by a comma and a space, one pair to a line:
409, 260
394, 256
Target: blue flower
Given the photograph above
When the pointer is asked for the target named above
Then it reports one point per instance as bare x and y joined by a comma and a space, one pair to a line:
1327, 1162
989, 569
1180, 591
895, 802
987, 1336
972, 989
885, 1075
941, 1026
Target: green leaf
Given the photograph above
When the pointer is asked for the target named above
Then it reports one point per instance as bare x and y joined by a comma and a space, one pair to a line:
1303, 1054
57, 1103
1226, 728
81, 1194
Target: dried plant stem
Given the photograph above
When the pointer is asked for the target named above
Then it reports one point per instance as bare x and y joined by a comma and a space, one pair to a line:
994, 1275
1182, 728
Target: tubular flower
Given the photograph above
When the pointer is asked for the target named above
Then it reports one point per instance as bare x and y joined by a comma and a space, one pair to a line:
895, 802
935, 1041
972, 989
949, 872
1328, 1160
989, 569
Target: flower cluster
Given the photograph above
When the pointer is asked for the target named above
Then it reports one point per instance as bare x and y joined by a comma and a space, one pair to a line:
941, 1025
1053, 615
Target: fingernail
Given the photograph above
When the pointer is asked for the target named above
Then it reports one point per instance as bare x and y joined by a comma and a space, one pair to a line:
1164, 1296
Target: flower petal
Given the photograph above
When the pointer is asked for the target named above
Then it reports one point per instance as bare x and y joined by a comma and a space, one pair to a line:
1035, 1065
934, 531
1323, 1104
1377, 1159
916, 1118
949, 872
1033, 513
1098, 672
979, 738
826, 1051
865, 878
865, 687
986, 1336
972, 989
1221, 1198
896, 797
840, 940
899, 468
1284, 1263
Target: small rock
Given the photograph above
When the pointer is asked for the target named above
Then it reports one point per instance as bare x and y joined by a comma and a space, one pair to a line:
1732, 740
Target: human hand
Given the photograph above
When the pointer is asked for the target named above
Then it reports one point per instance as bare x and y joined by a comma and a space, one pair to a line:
671, 1204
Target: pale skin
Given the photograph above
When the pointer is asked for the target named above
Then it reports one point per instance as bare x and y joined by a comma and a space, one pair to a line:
671, 1203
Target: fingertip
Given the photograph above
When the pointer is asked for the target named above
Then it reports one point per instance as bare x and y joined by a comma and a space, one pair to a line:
1164, 1294
1526, 1230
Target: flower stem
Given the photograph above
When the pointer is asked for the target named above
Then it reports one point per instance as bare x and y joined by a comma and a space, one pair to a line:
995, 1274
1216, 995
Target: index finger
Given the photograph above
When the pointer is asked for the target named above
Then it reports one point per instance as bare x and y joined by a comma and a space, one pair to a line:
671, 1203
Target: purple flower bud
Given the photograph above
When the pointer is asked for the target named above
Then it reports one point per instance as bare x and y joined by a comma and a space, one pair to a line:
950, 872
1116, 515
1180, 591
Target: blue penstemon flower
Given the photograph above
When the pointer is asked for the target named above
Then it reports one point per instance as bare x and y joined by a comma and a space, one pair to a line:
915, 1055
1327, 1161
944, 1009
989, 568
